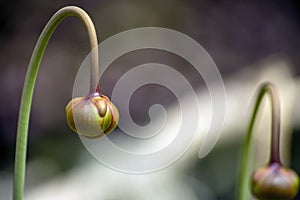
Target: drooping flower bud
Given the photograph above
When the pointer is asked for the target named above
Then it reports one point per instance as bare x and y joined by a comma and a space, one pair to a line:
275, 182
92, 116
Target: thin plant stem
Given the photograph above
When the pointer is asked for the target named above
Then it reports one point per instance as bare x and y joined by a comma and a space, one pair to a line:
28, 88
266, 88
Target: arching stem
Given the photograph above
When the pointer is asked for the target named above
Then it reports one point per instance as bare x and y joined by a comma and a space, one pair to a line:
26, 99
266, 88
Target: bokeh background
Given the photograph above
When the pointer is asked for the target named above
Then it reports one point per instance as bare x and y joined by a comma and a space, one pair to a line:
244, 38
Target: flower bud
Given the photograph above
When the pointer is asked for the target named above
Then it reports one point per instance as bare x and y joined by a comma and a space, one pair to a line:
92, 116
274, 182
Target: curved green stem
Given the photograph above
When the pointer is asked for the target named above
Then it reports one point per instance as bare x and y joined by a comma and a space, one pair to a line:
26, 99
266, 88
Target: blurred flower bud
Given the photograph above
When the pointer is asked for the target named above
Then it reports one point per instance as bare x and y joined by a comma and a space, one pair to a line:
274, 182
92, 116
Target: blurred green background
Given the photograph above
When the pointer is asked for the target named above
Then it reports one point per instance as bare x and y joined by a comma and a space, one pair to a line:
236, 34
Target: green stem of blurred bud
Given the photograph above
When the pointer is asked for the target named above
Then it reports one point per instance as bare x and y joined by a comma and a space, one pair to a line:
26, 99
244, 174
